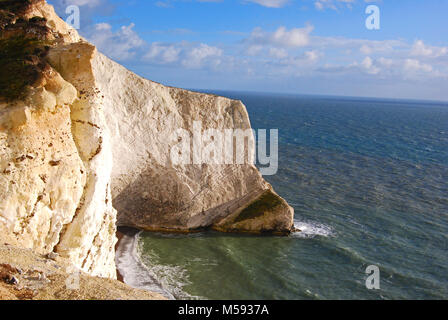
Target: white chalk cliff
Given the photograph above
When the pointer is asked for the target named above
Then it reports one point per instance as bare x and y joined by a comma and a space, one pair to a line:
89, 147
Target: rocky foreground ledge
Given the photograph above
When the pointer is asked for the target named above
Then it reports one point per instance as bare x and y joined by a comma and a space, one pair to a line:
25, 275
86, 144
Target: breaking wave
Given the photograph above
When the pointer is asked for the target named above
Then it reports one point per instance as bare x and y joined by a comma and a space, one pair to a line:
311, 229
139, 271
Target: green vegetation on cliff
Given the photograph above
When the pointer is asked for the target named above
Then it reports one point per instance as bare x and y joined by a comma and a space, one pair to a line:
266, 202
20, 65
23, 48
15, 6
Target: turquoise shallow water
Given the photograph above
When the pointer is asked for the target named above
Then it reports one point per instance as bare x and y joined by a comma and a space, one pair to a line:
368, 182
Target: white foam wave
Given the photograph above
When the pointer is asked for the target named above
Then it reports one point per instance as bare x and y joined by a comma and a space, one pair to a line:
140, 272
171, 278
311, 229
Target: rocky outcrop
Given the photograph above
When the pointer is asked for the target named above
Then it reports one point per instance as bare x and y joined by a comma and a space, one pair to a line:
25, 275
87, 139
153, 193
54, 166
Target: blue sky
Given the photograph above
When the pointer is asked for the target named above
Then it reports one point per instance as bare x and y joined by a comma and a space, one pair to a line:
290, 46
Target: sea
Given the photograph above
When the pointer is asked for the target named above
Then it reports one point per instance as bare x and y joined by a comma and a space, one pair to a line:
368, 180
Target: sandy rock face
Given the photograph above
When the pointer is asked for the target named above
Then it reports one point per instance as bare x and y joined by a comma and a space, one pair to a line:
53, 198
92, 140
41, 178
55, 161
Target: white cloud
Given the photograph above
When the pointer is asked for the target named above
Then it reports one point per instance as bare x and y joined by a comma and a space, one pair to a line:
270, 3
163, 4
282, 52
296, 37
88, 6
120, 45
332, 4
296, 51
336, 4
185, 54
365, 49
254, 50
422, 50
312, 56
385, 62
415, 66
366, 66
198, 55
90, 3
80, 3
364, 46
278, 53
164, 54
306, 60
369, 67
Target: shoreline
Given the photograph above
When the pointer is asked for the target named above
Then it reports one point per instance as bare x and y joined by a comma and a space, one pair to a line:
27, 275
119, 237
130, 269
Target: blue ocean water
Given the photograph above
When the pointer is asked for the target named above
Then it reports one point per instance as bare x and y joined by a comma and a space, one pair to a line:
368, 181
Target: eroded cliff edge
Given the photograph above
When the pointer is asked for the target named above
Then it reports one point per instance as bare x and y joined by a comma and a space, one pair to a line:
83, 140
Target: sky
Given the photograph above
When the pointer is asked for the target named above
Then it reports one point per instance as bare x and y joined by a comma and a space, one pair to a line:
283, 46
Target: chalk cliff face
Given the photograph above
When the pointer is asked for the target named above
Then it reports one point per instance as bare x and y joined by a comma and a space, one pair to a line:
152, 192
89, 141
55, 157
